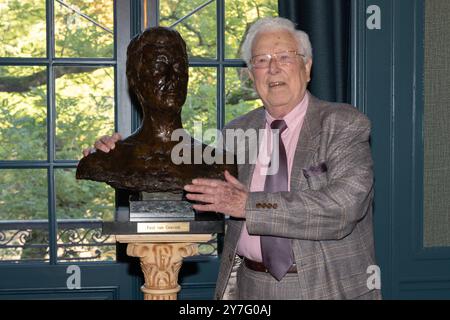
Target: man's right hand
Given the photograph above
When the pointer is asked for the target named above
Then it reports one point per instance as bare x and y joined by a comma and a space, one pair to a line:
105, 144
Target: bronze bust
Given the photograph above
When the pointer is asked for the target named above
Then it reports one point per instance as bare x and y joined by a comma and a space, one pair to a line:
157, 72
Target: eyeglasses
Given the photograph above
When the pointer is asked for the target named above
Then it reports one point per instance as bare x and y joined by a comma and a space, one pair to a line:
262, 61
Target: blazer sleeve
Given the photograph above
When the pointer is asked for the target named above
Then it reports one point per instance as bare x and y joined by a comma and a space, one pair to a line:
331, 212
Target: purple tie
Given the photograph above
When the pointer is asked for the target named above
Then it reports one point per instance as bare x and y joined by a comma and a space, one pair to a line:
277, 252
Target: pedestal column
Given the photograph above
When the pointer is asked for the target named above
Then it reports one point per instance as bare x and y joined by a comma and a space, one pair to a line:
161, 257
161, 263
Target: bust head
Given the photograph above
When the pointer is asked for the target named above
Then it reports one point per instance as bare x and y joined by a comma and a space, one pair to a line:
157, 70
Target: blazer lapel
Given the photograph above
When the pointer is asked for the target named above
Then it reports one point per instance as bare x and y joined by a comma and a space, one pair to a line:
306, 145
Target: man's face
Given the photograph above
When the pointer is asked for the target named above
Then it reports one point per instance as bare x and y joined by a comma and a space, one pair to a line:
164, 75
280, 86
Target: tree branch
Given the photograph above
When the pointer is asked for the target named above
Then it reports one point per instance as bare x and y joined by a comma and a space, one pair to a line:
25, 83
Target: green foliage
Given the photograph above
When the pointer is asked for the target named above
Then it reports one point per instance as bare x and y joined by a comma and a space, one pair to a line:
84, 110
23, 119
240, 97
200, 106
23, 194
22, 33
76, 36
239, 15
199, 30
73, 200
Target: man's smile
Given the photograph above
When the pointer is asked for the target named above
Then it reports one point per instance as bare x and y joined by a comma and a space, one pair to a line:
274, 84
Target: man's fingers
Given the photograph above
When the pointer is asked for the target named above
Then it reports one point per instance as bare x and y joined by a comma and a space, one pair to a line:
208, 182
99, 145
200, 189
235, 182
105, 144
108, 141
206, 198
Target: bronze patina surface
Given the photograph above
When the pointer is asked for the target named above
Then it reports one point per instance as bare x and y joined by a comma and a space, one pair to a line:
157, 72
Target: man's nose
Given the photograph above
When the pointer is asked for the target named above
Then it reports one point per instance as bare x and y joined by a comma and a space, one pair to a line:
274, 67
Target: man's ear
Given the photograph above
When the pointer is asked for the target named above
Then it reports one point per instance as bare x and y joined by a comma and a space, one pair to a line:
308, 67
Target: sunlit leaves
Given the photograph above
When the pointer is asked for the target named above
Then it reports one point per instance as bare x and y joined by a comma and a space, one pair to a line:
198, 30
23, 194
22, 28
239, 15
85, 32
84, 109
74, 201
23, 118
200, 104
240, 97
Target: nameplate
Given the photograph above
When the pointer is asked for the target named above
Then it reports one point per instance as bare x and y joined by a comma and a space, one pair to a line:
162, 227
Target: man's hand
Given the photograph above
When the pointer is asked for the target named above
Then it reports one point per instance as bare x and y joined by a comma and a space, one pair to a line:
227, 197
105, 144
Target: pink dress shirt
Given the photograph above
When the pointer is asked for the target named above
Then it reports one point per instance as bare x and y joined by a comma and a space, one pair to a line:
249, 246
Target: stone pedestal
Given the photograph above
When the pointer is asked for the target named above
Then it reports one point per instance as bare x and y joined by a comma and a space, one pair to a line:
161, 259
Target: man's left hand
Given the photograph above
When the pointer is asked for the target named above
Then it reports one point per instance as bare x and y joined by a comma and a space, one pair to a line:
227, 197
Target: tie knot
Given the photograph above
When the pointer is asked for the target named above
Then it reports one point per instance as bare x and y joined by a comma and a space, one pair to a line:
279, 124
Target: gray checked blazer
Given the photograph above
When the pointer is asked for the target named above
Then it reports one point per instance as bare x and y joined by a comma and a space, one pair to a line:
327, 213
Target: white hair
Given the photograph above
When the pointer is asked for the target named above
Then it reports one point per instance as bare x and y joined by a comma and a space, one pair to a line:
270, 24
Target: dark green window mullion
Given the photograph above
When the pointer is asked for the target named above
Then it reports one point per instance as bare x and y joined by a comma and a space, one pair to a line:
135, 28
51, 119
23, 62
220, 12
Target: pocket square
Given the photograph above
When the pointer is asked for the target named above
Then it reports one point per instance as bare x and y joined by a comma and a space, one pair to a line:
315, 170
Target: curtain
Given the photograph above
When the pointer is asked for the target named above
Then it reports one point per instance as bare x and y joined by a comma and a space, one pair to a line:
327, 23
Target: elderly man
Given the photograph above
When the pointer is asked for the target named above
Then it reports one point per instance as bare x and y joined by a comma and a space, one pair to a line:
303, 231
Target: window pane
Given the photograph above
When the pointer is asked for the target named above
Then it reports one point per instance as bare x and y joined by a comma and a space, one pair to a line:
239, 15
22, 28
23, 194
200, 105
240, 97
84, 108
78, 204
84, 29
23, 214
23, 102
198, 30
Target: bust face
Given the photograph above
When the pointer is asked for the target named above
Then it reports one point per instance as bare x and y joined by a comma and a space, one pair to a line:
163, 71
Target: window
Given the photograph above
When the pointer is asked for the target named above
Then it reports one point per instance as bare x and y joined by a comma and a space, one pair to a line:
57, 94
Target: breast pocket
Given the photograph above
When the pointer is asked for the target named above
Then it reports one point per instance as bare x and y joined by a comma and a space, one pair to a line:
316, 176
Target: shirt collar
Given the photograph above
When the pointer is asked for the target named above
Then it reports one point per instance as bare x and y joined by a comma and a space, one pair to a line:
292, 117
